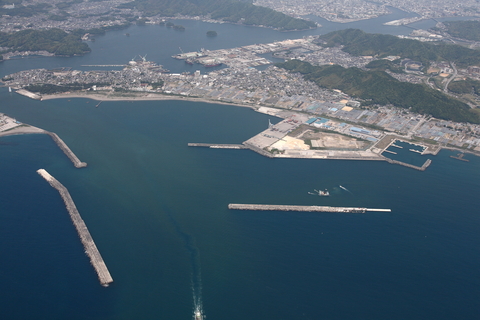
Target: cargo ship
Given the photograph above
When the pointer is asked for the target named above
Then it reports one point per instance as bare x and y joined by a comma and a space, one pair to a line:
213, 65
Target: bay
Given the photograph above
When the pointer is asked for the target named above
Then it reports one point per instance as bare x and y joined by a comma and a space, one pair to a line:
160, 43
157, 210
150, 202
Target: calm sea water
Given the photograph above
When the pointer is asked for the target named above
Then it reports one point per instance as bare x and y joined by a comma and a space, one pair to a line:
158, 213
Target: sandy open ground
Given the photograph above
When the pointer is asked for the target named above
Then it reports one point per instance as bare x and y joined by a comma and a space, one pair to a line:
133, 96
23, 129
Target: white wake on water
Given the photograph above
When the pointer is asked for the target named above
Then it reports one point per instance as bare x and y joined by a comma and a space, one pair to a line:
345, 189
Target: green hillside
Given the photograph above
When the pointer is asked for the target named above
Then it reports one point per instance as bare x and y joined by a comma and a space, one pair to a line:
377, 87
465, 86
54, 41
469, 30
228, 10
359, 43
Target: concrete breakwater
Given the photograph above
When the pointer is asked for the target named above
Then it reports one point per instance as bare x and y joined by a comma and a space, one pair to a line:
270, 207
217, 145
29, 94
258, 150
63, 146
422, 168
90, 248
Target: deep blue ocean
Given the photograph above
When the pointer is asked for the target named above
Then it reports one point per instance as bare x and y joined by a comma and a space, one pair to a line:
157, 210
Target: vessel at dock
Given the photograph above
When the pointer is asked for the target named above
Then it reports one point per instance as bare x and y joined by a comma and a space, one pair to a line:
211, 65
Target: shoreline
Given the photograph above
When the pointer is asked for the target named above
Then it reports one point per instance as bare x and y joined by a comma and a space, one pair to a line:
141, 97
25, 129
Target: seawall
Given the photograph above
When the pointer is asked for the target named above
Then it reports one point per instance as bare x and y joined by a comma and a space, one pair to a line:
271, 207
90, 248
217, 145
422, 168
69, 153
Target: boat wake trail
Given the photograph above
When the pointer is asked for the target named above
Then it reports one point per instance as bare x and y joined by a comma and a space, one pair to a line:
196, 270
345, 189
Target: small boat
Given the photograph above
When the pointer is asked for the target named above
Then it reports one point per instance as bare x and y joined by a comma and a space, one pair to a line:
197, 315
324, 193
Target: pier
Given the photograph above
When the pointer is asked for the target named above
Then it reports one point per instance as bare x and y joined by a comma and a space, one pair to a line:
218, 145
69, 153
460, 157
392, 152
90, 248
29, 94
270, 207
103, 65
422, 168
413, 150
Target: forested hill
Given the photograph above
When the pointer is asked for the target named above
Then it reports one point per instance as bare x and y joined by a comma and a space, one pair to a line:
377, 87
469, 30
228, 10
359, 43
54, 41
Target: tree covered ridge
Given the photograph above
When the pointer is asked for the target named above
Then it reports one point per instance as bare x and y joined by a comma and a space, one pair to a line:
54, 41
377, 87
228, 10
469, 30
465, 86
359, 43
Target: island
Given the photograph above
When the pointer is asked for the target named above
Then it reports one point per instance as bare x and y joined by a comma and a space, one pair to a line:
211, 33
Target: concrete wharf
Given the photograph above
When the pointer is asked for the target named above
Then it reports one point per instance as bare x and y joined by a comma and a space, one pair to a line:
270, 207
218, 145
392, 152
29, 94
69, 153
90, 248
460, 157
258, 150
103, 65
422, 168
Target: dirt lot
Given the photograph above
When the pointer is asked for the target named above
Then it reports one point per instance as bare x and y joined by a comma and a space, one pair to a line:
324, 140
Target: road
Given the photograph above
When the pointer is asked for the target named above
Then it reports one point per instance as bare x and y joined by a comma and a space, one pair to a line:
445, 89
